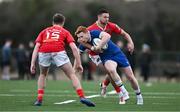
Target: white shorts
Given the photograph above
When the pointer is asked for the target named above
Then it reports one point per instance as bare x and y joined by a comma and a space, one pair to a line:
95, 59
58, 58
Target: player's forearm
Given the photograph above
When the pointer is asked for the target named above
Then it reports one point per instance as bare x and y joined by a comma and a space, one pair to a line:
77, 57
104, 39
76, 54
127, 37
35, 54
86, 45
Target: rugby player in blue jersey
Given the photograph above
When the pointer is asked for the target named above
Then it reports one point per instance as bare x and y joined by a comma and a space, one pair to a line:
111, 56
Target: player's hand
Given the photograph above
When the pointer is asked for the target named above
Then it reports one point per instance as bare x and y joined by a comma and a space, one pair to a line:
96, 49
33, 69
130, 47
79, 68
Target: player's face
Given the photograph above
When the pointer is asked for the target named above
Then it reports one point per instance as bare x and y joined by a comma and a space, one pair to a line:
104, 18
83, 37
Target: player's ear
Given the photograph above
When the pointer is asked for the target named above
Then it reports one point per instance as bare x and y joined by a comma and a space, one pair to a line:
76, 35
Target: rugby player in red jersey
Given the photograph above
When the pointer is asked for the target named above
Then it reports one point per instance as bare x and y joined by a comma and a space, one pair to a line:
50, 47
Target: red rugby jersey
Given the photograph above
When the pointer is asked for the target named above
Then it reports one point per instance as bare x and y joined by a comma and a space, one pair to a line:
109, 28
53, 39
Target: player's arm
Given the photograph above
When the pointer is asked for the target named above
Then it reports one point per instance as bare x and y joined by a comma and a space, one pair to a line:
34, 57
105, 37
118, 30
76, 54
130, 44
87, 45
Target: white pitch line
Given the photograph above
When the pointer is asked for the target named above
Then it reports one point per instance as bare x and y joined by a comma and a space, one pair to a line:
111, 92
114, 92
7, 95
66, 102
91, 96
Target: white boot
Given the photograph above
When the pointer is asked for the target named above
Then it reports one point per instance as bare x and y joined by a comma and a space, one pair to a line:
139, 99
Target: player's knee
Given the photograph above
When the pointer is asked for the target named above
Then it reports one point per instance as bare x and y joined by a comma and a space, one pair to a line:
73, 77
43, 74
130, 78
111, 71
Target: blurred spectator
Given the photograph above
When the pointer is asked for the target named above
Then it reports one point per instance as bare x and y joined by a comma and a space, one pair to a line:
22, 61
6, 60
145, 61
30, 51
87, 75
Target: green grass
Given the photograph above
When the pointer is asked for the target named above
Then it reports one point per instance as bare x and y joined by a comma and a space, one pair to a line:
20, 95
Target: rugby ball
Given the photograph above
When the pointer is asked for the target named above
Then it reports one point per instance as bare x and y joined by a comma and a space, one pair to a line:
96, 41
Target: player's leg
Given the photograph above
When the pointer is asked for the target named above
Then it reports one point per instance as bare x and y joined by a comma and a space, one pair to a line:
105, 83
41, 85
61, 60
44, 63
118, 90
106, 80
68, 70
97, 61
134, 83
103, 86
111, 68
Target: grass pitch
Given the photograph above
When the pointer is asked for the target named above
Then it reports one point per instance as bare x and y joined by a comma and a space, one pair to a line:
20, 96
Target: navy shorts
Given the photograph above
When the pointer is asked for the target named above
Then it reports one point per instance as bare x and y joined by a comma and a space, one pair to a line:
119, 58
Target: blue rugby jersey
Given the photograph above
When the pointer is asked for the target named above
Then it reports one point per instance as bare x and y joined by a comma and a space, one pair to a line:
112, 52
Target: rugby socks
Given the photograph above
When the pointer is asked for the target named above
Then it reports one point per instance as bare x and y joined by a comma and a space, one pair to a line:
40, 94
106, 83
80, 93
121, 86
118, 91
117, 88
138, 91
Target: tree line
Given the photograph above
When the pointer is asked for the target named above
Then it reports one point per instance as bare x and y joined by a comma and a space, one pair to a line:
155, 22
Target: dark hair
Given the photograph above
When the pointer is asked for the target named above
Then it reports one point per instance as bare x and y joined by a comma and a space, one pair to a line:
101, 11
58, 18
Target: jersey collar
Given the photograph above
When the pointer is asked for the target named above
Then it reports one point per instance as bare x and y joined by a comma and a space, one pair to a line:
103, 29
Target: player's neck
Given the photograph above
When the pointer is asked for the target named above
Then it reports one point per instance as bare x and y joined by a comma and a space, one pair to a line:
101, 24
57, 25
